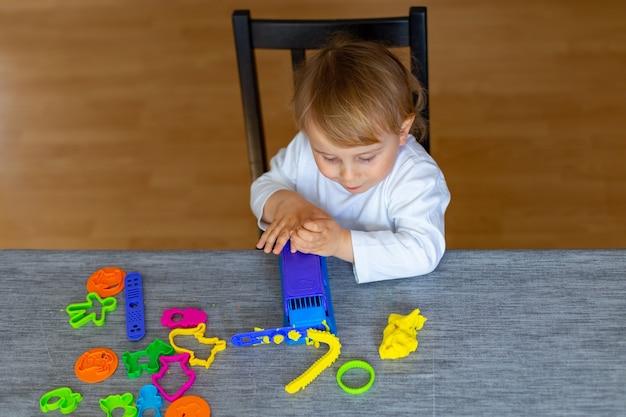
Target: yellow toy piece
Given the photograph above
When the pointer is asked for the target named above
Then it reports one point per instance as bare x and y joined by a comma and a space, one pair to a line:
294, 335
400, 335
198, 333
266, 339
315, 337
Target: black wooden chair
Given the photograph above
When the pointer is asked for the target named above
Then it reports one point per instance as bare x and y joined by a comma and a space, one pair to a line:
301, 35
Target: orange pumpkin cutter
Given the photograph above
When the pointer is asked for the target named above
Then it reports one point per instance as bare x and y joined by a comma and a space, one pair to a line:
106, 282
188, 406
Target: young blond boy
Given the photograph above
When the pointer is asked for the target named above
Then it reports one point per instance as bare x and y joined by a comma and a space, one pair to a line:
355, 183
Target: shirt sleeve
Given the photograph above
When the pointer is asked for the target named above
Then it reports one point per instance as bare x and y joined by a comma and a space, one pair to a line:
417, 199
281, 176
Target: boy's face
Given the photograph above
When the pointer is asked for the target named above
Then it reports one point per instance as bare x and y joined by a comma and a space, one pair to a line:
358, 168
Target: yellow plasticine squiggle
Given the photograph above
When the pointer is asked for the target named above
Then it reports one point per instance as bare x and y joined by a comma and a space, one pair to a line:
326, 325
400, 335
198, 333
316, 336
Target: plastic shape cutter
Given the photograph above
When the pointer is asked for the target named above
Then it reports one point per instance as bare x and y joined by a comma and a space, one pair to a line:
62, 399
133, 294
78, 311
183, 360
135, 362
96, 365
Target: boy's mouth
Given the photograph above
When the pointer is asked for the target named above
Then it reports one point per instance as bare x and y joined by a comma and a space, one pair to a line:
353, 189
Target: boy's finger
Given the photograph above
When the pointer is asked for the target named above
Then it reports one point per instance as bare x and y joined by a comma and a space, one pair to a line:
261, 242
311, 225
279, 244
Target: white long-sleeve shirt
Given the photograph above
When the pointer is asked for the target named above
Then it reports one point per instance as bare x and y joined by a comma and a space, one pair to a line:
397, 227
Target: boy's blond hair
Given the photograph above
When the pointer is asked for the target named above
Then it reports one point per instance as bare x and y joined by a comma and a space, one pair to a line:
352, 91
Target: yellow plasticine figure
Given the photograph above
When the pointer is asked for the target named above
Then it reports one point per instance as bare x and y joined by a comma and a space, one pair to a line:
315, 337
400, 335
198, 333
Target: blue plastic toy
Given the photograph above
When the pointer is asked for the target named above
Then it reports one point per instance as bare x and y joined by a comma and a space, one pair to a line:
306, 293
149, 399
133, 294
306, 300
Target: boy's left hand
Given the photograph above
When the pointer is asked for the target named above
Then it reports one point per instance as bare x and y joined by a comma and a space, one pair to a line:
323, 236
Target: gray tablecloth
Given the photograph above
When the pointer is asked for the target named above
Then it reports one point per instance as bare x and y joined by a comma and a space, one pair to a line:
528, 333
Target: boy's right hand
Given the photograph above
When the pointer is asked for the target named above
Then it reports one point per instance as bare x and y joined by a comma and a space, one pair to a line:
285, 211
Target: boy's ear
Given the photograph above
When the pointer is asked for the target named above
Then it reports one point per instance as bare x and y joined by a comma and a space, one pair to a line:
405, 129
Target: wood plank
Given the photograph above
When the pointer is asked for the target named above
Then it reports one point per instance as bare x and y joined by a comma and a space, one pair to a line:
121, 123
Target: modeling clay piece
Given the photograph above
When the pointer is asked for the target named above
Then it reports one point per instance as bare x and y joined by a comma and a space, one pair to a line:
106, 282
189, 406
133, 294
400, 335
96, 365
149, 399
153, 351
78, 312
183, 359
124, 401
66, 400
198, 333
189, 317
351, 365
316, 337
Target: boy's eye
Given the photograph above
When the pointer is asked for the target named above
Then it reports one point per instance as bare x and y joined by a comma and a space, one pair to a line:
368, 159
329, 159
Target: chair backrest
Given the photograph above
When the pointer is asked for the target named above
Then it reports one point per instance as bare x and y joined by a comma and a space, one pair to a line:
301, 35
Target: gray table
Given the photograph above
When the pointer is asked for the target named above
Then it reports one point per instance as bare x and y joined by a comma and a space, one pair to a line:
532, 333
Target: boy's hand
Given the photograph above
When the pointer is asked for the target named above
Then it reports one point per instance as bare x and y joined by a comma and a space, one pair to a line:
285, 211
323, 236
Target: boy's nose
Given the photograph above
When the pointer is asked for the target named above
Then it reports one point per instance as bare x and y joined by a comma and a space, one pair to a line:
347, 173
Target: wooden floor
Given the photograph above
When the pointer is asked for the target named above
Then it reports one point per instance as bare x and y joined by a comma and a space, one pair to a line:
121, 123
